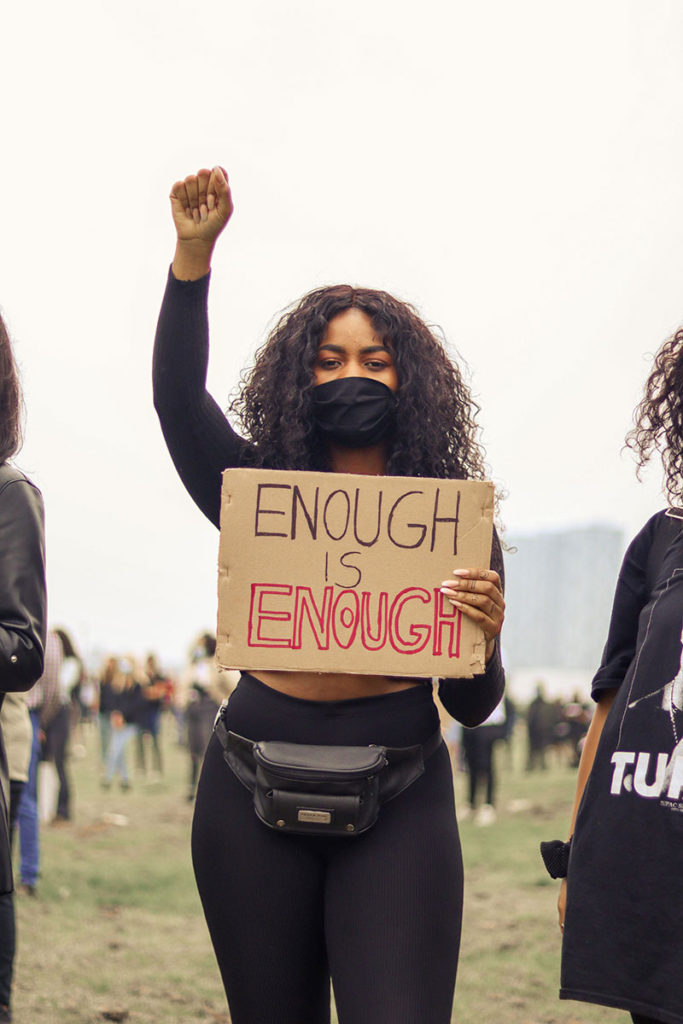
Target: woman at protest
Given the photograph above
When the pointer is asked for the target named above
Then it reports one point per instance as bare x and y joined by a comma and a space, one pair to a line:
350, 380
619, 903
127, 709
58, 732
22, 617
154, 691
106, 696
202, 688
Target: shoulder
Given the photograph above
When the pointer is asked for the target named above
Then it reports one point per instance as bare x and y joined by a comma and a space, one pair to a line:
21, 502
648, 548
642, 541
662, 526
9, 474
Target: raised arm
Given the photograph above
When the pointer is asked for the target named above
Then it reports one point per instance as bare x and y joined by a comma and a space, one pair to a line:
199, 438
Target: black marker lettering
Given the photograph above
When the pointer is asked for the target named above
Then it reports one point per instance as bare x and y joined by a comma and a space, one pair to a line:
267, 511
445, 519
412, 526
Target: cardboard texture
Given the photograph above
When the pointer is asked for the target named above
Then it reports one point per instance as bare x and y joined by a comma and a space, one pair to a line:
332, 572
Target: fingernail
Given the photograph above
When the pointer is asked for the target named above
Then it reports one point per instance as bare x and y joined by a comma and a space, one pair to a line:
211, 200
218, 171
461, 572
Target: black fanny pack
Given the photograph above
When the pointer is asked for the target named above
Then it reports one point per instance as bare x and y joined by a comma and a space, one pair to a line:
316, 790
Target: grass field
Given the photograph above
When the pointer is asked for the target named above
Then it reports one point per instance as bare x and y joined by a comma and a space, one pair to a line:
116, 931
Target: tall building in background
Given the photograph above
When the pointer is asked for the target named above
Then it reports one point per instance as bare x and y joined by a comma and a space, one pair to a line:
559, 591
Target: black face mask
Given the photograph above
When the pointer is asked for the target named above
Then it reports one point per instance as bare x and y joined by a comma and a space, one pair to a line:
354, 411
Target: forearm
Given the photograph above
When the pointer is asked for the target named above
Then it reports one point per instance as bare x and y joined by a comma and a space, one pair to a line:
605, 701
471, 701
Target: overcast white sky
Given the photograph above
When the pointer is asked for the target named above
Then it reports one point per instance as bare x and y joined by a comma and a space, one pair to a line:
512, 169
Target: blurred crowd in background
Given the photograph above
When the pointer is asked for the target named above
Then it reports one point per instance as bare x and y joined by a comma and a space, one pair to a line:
125, 701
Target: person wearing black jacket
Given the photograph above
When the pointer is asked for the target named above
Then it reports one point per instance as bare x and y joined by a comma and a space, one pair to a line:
379, 912
22, 617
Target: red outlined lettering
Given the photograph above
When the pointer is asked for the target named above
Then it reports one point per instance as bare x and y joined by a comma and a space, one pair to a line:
258, 614
378, 640
340, 619
446, 616
420, 633
318, 618
345, 618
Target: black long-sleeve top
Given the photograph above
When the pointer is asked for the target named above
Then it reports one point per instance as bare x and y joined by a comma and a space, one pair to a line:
202, 444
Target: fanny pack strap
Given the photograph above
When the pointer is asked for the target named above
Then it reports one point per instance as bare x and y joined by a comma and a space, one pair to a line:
405, 764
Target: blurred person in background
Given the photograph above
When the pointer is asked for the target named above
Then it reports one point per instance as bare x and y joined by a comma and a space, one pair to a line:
577, 715
125, 716
154, 690
478, 746
85, 694
621, 898
58, 729
105, 705
17, 735
22, 618
539, 723
43, 703
204, 687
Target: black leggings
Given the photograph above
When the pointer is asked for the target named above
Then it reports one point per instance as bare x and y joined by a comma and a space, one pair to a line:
380, 913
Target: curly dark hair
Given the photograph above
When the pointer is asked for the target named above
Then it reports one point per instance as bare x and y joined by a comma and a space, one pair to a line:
436, 431
11, 401
658, 418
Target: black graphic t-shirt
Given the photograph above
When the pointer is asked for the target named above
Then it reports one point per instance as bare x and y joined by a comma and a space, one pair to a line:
623, 938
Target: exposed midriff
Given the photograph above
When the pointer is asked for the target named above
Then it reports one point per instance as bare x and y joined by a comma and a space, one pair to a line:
332, 685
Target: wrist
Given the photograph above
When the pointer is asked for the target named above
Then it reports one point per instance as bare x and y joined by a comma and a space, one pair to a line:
489, 650
192, 259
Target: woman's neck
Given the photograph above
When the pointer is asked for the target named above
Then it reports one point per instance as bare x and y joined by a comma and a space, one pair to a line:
370, 461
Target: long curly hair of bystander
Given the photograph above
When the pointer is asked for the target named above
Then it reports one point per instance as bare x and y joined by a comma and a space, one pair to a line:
658, 418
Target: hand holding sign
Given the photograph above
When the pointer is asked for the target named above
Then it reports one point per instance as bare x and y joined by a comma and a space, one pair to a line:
478, 593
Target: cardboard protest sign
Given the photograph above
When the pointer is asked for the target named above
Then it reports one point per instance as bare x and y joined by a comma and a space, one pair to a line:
333, 572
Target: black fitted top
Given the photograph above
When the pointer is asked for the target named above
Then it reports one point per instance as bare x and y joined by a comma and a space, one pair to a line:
202, 444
